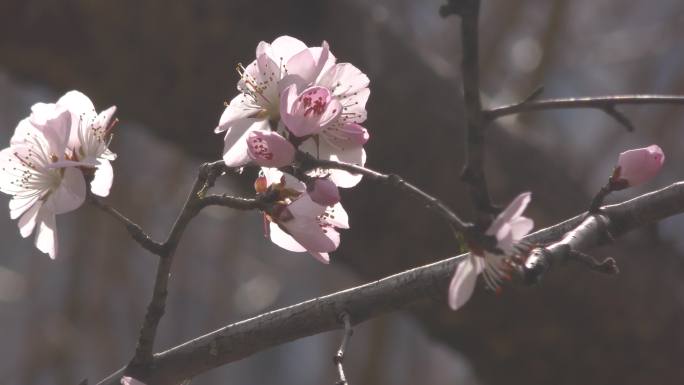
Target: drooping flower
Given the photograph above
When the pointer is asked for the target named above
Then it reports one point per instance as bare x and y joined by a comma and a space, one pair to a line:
509, 228
42, 182
269, 149
284, 62
297, 223
637, 166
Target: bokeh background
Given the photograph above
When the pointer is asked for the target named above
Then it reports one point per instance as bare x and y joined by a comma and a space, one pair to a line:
169, 67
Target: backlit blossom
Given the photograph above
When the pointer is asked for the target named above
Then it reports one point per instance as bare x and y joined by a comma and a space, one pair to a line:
35, 171
284, 62
269, 149
342, 138
637, 166
297, 223
509, 228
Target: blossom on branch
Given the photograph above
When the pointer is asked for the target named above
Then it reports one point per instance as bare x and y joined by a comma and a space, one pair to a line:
637, 166
284, 62
89, 139
43, 182
296, 222
509, 228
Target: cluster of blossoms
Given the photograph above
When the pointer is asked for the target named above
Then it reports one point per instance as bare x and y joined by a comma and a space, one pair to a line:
298, 98
51, 155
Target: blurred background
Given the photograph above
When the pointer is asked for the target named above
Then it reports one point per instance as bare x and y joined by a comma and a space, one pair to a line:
169, 67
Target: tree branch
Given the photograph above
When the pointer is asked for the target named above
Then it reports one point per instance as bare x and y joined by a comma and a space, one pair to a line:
245, 338
606, 104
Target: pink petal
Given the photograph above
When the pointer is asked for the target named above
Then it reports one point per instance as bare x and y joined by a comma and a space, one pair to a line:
102, 181
238, 109
18, 205
463, 283
70, 194
285, 47
310, 111
640, 165
46, 235
324, 192
27, 222
344, 79
283, 239
235, 150
520, 227
512, 211
337, 216
82, 112
269, 149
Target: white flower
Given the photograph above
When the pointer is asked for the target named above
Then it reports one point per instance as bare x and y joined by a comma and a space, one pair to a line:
284, 62
509, 228
42, 182
90, 137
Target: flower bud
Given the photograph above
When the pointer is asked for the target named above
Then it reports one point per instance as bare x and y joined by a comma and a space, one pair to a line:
324, 192
637, 166
269, 149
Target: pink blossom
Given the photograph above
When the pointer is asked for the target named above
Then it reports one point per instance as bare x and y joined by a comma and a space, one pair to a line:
324, 191
342, 138
297, 223
35, 171
284, 62
637, 166
308, 112
509, 228
89, 137
269, 149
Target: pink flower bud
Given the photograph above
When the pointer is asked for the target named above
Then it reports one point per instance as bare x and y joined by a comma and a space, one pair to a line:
638, 166
269, 149
324, 192
307, 113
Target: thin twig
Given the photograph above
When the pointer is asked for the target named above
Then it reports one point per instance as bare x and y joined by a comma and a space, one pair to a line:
133, 228
339, 356
606, 104
244, 338
206, 177
308, 162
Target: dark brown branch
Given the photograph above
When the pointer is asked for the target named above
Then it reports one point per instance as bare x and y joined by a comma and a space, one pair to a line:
473, 170
308, 162
133, 228
339, 357
606, 104
242, 339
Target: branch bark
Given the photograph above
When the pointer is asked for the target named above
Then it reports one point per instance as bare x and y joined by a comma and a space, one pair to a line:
242, 339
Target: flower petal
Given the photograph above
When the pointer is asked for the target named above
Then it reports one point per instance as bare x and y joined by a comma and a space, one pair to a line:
283, 239
70, 194
103, 178
463, 283
239, 108
235, 151
27, 222
512, 211
337, 216
46, 234
269, 149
